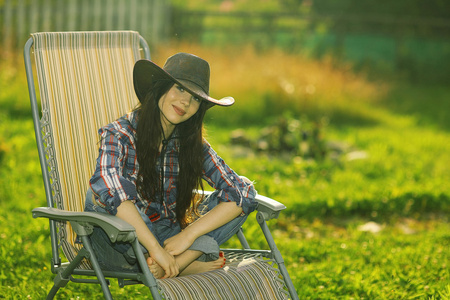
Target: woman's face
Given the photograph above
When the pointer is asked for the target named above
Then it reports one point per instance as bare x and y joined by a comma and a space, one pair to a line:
177, 106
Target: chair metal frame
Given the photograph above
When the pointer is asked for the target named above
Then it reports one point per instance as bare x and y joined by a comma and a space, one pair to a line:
117, 229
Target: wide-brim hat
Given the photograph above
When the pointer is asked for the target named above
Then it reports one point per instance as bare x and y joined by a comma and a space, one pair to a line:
187, 70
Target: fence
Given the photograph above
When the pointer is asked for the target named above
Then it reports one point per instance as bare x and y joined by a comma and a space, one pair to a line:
414, 47
271, 24
19, 18
417, 47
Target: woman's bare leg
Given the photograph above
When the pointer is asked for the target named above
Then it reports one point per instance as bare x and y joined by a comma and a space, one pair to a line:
196, 267
188, 264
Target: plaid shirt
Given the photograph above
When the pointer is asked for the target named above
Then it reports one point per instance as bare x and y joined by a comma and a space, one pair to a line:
114, 180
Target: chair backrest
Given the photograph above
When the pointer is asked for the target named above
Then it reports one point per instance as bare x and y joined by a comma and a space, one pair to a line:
85, 82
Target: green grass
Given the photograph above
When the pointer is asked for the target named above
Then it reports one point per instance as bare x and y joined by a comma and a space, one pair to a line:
342, 262
402, 184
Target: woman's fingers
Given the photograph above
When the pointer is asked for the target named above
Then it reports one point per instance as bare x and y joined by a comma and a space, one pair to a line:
171, 271
166, 261
178, 243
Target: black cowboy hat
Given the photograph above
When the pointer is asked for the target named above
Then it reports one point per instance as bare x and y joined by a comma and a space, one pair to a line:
187, 70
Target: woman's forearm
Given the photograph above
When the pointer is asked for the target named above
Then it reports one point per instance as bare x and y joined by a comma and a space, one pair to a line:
223, 213
129, 213
220, 215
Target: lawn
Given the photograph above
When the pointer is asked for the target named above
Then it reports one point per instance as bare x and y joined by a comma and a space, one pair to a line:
366, 219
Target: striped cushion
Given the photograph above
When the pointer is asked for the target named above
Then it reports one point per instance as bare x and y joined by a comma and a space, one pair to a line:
85, 82
242, 279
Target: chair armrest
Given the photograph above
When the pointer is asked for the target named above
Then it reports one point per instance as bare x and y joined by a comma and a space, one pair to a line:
82, 222
269, 207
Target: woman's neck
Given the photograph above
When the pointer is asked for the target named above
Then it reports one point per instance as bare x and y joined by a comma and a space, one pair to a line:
167, 128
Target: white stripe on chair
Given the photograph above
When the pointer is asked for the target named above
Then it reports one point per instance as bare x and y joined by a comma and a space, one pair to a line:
95, 89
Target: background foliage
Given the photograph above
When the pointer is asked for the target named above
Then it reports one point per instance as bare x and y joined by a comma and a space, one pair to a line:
367, 220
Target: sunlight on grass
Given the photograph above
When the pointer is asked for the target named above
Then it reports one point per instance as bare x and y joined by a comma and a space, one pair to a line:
398, 177
267, 83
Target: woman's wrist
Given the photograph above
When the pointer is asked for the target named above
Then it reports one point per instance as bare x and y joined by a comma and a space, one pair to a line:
221, 214
190, 232
150, 242
154, 248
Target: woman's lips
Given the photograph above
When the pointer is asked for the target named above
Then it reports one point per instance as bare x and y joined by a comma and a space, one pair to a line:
178, 110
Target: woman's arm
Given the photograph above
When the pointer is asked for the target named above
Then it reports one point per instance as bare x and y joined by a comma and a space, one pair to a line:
223, 213
116, 193
109, 183
237, 195
127, 211
232, 187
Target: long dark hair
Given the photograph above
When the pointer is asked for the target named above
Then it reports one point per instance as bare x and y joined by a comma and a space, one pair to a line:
150, 135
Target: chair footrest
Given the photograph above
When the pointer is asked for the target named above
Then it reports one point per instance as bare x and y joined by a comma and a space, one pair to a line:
84, 280
248, 253
240, 279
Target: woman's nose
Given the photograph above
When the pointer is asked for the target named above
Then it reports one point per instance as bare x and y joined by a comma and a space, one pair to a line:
186, 100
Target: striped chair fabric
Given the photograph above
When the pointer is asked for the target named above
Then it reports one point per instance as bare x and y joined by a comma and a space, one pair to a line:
85, 82
245, 276
95, 89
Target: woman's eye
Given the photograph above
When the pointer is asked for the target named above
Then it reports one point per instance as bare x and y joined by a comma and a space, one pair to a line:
197, 99
180, 88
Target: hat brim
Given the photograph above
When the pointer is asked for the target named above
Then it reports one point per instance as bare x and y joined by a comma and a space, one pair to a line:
146, 72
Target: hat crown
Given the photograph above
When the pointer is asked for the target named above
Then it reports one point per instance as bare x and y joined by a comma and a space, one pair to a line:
187, 70
187, 67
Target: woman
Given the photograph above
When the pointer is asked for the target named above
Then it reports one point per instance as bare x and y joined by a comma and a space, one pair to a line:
151, 160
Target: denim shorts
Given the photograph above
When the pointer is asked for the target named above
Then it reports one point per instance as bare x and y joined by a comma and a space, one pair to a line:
121, 257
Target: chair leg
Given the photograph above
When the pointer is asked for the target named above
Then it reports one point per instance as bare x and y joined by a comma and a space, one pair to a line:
62, 278
54, 290
277, 254
149, 280
242, 239
92, 257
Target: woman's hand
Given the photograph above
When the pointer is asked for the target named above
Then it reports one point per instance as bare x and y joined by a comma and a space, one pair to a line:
179, 243
166, 261
128, 212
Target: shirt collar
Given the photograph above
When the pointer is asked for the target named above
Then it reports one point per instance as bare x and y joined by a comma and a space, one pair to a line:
133, 118
172, 143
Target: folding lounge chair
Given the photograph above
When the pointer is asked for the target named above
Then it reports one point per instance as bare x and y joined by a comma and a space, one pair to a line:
85, 82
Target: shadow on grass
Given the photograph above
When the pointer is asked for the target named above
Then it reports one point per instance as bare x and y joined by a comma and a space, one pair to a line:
15, 112
268, 112
429, 104
407, 205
